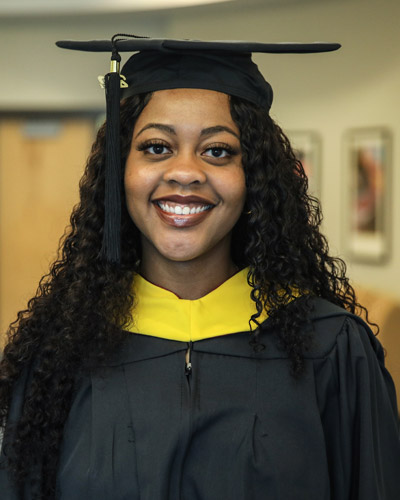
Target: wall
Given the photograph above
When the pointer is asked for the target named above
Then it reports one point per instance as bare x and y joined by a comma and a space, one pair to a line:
329, 93
38, 75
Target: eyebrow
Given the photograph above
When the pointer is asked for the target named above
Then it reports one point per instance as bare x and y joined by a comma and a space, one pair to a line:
171, 130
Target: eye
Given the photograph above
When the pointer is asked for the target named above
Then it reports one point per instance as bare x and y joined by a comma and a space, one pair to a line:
220, 151
157, 149
154, 148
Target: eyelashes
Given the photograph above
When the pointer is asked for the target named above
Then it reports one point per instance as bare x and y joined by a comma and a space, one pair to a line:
160, 148
221, 151
156, 146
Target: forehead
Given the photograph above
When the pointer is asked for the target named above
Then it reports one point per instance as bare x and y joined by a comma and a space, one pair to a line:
187, 105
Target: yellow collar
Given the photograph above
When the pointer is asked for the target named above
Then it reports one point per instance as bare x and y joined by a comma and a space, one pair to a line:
160, 313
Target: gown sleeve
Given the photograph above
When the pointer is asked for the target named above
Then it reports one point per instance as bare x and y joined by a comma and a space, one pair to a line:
8, 490
359, 414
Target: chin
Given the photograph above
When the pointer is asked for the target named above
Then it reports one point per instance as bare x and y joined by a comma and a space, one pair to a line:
181, 248
181, 256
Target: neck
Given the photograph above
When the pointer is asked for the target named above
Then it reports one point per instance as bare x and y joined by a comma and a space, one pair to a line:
188, 280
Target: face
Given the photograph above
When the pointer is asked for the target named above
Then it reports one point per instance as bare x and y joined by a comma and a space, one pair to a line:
184, 180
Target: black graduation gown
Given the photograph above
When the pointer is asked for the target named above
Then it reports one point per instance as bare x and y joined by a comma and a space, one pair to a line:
238, 427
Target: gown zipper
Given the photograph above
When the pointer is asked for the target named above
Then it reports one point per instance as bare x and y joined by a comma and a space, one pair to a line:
188, 363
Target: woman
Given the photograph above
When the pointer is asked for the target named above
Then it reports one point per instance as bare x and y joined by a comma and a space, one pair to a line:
221, 357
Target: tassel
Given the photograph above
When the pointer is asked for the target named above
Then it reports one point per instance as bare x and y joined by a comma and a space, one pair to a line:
111, 246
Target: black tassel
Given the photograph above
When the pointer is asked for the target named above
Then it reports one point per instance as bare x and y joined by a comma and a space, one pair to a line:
111, 247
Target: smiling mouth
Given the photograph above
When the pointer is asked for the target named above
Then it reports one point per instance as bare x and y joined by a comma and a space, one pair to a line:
182, 215
182, 209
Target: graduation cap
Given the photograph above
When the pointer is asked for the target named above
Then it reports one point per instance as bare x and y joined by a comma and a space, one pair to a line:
160, 64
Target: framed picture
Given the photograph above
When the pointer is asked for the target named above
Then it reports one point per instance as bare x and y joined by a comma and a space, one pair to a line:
307, 147
367, 190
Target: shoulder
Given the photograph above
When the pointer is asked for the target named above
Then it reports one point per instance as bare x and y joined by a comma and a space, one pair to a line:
334, 326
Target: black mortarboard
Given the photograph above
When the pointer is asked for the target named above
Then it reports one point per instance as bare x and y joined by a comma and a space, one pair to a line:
160, 64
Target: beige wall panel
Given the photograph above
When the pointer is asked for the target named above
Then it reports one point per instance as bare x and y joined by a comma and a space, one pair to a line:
384, 310
40, 166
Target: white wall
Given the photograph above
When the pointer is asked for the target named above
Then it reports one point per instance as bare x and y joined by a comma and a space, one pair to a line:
35, 74
355, 87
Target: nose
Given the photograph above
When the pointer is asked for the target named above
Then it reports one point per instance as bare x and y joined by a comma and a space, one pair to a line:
185, 169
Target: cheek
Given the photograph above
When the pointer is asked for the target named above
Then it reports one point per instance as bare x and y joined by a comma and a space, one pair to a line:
131, 187
131, 191
236, 190
136, 193
137, 180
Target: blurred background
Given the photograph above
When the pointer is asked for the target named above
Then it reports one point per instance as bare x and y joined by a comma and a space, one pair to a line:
342, 111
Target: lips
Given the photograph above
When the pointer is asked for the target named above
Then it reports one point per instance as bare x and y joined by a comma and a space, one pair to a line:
183, 211
184, 200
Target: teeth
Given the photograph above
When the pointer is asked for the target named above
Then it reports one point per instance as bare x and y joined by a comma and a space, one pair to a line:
182, 209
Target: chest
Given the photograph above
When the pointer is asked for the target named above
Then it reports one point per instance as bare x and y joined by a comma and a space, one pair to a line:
231, 427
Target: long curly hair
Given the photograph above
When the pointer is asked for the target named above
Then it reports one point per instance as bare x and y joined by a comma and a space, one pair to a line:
83, 304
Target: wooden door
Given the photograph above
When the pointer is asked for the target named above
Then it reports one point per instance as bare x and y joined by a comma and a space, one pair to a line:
41, 162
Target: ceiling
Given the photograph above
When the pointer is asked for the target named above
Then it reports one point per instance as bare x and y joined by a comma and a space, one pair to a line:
32, 8
38, 7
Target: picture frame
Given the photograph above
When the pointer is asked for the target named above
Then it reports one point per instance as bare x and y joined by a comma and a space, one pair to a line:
367, 194
307, 148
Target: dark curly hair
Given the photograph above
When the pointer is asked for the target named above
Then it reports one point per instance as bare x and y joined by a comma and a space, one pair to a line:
81, 307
